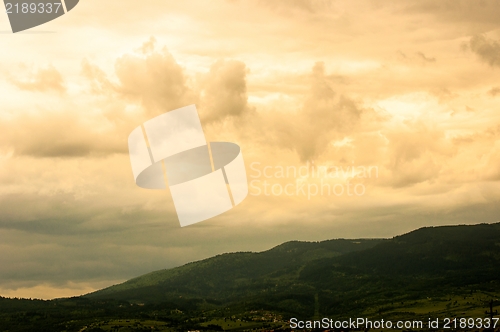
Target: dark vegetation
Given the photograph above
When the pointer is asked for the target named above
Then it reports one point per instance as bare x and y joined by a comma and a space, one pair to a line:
451, 271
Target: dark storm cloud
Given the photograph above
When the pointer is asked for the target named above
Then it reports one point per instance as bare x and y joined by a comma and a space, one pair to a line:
63, 214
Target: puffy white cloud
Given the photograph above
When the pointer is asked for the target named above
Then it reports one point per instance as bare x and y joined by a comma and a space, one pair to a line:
41, 79
154, 78
225, 91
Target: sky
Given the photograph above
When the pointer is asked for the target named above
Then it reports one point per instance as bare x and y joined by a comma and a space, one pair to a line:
356, 119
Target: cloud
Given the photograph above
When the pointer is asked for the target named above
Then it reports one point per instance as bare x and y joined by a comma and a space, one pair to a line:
40, 80
58, 134
416, 155
96, 122
323, 118
310, 6
70, 210
225, 91
494, 91
100, 84
424, 58
153, 78
159, 84
477, 13
488, 50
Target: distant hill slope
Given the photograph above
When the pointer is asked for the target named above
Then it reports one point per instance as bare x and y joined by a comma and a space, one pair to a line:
444, 272
231, 276
335, 277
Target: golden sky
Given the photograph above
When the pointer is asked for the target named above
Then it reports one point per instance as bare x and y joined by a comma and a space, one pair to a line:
408, 88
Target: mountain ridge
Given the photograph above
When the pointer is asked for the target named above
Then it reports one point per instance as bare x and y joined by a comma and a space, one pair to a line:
320, 249
291, 277
432, 272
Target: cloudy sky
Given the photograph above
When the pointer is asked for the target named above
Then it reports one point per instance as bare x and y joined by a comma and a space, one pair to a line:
409, 90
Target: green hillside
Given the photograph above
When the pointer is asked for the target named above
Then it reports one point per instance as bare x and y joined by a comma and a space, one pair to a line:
231, 276
336, 277
433, 272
